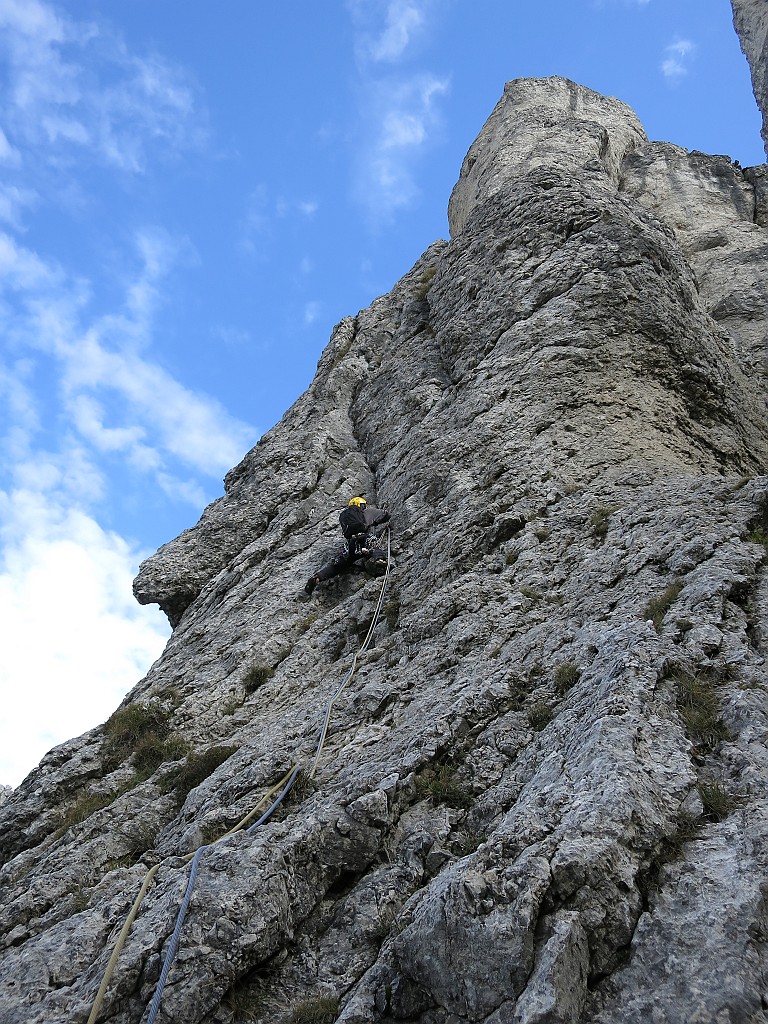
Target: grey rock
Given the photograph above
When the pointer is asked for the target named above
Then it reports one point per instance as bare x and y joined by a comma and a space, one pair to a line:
750, 19
557, 990
517, 815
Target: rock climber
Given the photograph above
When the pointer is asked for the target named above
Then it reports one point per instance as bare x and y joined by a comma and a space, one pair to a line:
358, 522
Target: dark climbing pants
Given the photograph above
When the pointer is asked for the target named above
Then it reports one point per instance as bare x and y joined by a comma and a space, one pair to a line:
342, 561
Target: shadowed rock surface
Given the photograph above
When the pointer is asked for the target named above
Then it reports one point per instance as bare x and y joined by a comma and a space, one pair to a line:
543, 797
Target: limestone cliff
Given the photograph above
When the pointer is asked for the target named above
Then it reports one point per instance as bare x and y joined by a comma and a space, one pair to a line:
543, 795
750, 19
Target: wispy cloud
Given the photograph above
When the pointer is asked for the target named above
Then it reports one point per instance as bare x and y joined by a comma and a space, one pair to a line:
106, 400
263, 208
9, 155
105, 363
73, 85
404, 19
677, 57
233, 337
406, 117
399, 103
88, 402
14, 201
311, 313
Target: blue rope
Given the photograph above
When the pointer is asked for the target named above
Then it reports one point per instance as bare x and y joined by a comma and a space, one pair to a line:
268, 813
169, 956
154, 1006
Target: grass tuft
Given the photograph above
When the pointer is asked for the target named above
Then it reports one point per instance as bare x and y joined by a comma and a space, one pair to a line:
600, 521
85, 805
441, 786
686, 827
466, 842
391, 612
196, 769
539, 716
318, 1010
717, 801
302, 787
128, 727
243, 1000
698, 703
425, 282
256, 676
230, 706
567, 674
658, 607
759, 536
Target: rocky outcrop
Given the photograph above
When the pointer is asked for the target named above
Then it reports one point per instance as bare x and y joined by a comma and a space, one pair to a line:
750, 19
542, 797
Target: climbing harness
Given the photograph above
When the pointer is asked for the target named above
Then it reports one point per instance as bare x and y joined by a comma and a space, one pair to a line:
284, 786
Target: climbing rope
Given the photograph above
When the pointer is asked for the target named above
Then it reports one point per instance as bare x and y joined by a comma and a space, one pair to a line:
363, 648
154, 1006
285, 785
119, 945
110, 969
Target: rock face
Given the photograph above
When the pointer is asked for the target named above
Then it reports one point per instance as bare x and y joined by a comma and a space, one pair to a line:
542, 797
750, 19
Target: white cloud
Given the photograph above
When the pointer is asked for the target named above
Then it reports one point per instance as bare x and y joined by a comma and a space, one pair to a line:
233, 337
9, 155
398, 108
311, 313
150, 104
404, 19
18, 403
31, 18
74, 640
87, 404
22, 270
104, 359
405, 115
13, 202
676, 59
73, 85
191, 426
624, 3
307, 207
182, 490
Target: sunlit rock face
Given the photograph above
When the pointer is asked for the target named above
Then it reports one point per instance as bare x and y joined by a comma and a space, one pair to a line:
750, 19
542, 796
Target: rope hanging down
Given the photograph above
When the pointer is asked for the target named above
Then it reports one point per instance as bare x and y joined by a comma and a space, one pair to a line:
286, 783
110, 969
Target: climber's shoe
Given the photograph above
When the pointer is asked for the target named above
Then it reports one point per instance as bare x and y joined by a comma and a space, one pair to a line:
311, 583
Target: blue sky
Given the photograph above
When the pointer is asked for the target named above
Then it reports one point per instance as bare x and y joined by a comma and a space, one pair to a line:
191, 196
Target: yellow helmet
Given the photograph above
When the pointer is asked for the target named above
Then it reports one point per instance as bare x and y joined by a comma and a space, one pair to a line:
360, 502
